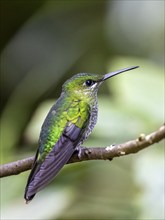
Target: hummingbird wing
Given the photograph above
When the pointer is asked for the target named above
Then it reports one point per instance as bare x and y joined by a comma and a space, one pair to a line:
44, 172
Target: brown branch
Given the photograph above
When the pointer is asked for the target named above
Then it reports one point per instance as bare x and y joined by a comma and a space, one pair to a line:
94, 153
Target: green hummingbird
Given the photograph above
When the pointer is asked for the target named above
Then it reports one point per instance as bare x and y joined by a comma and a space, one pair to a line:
67, 125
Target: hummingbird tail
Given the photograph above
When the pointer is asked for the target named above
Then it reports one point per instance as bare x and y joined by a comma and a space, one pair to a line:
28, 199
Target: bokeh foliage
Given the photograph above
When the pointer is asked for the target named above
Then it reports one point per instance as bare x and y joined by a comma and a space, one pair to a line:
43, 43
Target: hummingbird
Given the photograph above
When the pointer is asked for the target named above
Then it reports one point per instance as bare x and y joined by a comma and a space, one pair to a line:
68, 124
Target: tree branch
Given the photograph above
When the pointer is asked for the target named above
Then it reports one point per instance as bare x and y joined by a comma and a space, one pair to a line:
93, 153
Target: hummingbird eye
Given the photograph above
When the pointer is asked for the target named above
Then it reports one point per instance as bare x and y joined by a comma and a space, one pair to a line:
89, 82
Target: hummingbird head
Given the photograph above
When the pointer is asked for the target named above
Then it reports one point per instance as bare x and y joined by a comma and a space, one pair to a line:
85, 85
82, 84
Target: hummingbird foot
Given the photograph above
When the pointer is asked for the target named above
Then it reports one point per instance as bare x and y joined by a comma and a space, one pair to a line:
82, 151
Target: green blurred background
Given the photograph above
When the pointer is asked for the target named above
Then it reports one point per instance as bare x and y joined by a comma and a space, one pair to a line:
43, 43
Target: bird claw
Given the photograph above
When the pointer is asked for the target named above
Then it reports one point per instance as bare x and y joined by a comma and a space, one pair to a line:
82, 151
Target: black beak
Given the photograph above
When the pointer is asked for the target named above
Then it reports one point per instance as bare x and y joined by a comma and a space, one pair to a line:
109, 75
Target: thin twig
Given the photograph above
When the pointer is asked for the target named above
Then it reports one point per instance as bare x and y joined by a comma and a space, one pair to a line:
93, 153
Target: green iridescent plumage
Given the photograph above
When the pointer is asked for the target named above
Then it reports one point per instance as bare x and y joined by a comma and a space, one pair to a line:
68, 123
75, 112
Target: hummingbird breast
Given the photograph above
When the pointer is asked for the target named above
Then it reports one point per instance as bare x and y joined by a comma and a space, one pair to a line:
92, 120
